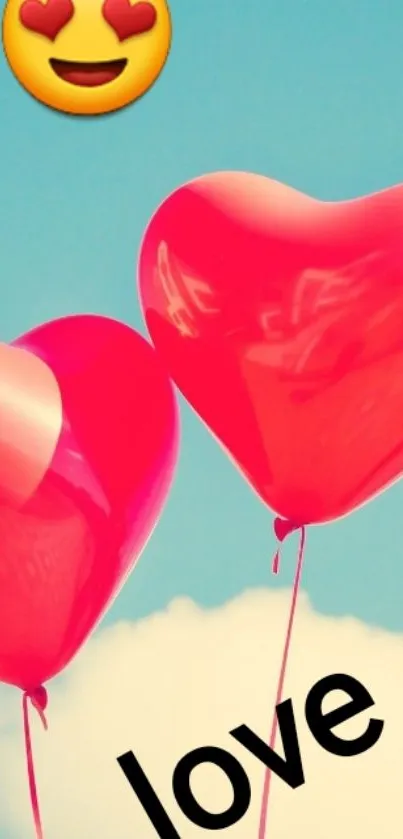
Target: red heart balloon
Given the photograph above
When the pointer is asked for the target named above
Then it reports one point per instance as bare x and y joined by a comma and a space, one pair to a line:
65, 553
128, 20
48, 18
280, 318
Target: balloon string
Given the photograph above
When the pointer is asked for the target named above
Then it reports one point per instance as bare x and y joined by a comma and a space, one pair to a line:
282, 530
39, 700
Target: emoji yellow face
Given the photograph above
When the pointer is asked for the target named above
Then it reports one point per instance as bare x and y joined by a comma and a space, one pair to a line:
86, 56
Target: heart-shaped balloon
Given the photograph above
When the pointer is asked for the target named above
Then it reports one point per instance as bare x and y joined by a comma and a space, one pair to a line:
280, 318
99, 472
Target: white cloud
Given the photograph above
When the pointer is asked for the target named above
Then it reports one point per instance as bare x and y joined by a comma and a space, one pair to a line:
183, 679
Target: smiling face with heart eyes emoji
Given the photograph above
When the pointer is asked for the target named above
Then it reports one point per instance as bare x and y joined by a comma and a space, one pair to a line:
86, 56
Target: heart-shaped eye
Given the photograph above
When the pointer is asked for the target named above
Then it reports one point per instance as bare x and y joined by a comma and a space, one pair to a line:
127, 20
46, 19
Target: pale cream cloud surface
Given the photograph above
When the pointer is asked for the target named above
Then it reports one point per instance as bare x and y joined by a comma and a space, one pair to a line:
183, 679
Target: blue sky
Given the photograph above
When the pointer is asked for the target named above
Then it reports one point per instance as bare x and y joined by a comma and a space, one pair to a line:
306, 92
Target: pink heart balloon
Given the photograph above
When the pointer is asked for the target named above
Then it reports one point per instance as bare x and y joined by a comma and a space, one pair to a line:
66, 552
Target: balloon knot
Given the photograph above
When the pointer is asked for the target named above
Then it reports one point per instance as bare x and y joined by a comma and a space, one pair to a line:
39, 699
283, 528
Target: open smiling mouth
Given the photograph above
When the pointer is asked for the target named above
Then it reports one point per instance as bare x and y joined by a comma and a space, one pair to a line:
88, 74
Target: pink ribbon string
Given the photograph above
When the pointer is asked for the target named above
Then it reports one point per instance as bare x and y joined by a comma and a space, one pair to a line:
39, 700
282, 529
